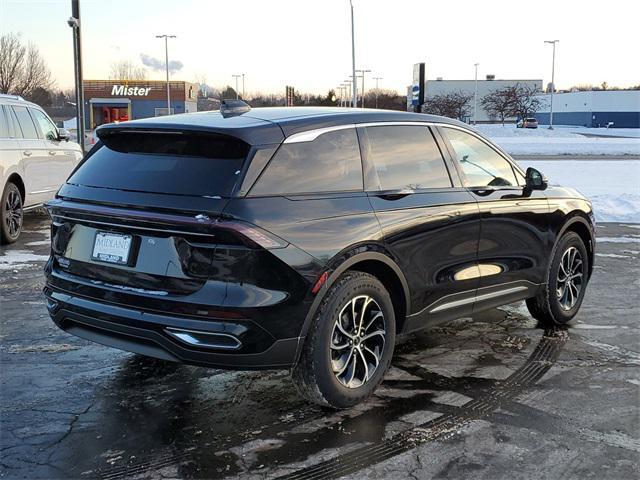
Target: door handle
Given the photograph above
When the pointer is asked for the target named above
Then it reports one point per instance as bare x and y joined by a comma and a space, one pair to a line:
27, 153
52, 152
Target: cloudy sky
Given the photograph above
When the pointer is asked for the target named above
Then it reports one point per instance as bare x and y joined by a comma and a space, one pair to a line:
306, 43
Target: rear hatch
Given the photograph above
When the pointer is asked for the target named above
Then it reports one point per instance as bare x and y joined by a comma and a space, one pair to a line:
141, 216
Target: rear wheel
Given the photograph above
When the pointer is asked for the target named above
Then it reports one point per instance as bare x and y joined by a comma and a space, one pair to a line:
11, 214
350, 343
564, 291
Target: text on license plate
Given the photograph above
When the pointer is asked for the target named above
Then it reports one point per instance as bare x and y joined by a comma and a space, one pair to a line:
112, 248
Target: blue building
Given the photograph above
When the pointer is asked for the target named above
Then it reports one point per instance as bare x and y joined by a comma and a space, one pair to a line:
108, 101
598, 108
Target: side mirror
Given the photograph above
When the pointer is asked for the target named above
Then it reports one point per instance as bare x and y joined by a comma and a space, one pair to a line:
63, 134
535, 180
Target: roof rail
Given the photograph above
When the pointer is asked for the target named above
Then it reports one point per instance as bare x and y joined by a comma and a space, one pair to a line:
11, 97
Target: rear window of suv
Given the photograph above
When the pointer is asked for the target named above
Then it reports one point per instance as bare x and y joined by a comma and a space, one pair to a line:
168, 162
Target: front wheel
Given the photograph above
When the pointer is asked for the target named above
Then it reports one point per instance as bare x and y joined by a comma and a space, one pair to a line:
349, 345
566, 283
10, 214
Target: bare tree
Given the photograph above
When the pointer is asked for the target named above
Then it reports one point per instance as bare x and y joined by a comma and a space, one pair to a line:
452, 105
126, 70
524, 100
498, 104
387, 99
22, 68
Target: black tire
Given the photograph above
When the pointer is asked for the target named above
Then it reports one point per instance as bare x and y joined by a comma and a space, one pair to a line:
314, 375
11, 214
549, 307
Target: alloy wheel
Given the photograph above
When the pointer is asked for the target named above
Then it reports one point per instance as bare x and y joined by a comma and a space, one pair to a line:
13, 213
570, 278
357, 341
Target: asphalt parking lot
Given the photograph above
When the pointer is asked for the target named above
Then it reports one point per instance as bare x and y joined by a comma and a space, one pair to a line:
488, 397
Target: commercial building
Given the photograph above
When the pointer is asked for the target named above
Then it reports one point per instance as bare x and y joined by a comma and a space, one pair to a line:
600, 108
108, 101
440, 87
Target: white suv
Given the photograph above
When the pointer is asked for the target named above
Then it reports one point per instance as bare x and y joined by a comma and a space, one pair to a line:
35, 160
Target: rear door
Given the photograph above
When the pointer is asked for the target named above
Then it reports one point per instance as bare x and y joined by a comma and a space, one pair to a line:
35, 158
429, 221
514, 229
61, 159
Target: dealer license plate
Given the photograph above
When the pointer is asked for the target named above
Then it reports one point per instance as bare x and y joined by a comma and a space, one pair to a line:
112, 248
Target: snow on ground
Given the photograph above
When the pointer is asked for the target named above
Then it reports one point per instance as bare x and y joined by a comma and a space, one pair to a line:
612, 185
19, 259
564, 140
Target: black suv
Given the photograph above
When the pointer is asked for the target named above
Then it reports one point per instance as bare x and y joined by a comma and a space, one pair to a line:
305, 238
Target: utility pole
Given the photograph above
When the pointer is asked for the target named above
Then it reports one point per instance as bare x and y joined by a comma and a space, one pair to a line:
475, 96
553, 80
237, 77
377, 89
363, 72
353, 60
166, 64
74, 23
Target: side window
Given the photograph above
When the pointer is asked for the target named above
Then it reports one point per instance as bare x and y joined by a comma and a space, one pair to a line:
406, 157
47, 128
12, 122
26, 123
4, 125
482, 165
330, 163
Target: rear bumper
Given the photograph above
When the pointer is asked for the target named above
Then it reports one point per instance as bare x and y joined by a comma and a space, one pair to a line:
154, 334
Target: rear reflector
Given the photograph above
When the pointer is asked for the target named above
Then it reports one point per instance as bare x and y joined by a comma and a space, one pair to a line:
321, 281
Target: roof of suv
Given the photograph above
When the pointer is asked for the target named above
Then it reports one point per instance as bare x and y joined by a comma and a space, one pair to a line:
271, 125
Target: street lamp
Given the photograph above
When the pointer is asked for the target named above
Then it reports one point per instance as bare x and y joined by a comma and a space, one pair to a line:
353, 60
243, 95
166, 63
475, 95
350, 83
376, 79
553, 81
74, 23
237, 77
363, 72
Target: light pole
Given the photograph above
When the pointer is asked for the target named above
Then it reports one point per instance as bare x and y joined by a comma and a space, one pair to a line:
353, 60
475, 95
376, 79
243, 96
74, 23
363, 72
237, 77
553, 81
166, 63
349, 82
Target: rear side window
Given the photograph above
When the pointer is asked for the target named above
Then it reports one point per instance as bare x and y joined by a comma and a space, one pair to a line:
482, 165
26, 123
406, 157
47, 128
329, 163
179, 164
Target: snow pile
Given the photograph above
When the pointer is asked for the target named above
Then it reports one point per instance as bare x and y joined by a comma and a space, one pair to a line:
613, 186
18, 259
564, 140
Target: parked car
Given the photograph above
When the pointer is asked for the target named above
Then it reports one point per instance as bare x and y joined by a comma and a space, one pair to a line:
527, 123
35, 159
305, 238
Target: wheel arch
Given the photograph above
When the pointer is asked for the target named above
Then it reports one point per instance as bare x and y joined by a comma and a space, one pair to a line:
378, 264
16, 179
581, 226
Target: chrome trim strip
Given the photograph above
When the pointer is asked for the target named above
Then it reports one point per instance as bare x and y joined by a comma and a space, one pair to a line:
186, 336
311, 135
43, 191
477, 298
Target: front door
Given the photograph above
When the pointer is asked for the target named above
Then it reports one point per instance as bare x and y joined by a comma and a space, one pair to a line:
430, 223
514, 239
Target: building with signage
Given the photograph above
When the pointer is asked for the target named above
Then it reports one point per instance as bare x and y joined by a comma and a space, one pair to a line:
108, 101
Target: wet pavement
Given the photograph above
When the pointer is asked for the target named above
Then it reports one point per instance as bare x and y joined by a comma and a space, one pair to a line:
487, 397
